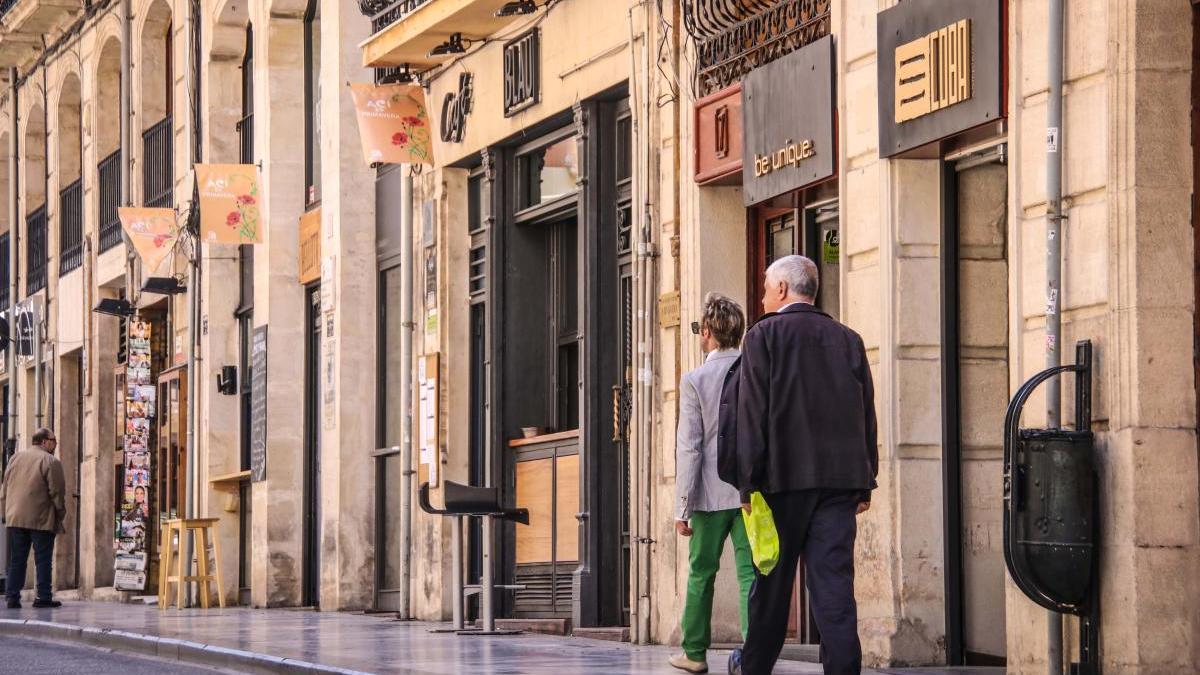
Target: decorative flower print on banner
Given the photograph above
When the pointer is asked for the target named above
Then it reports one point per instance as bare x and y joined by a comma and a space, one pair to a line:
153, 233
393, 123
229, 203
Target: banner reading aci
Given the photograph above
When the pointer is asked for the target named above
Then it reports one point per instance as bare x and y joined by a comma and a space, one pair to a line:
393, 123
229, 197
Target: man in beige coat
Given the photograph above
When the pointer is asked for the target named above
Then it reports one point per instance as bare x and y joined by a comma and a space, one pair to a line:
32, 499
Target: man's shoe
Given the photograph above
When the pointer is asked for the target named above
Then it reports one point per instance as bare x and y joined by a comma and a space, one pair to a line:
682, 662
735, 662
46, 604
14, 604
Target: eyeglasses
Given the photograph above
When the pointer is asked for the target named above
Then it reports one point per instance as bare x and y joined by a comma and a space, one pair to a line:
695, 328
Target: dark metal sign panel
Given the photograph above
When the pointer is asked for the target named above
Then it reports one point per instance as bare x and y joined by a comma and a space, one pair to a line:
940, 69
522, 72
788, 110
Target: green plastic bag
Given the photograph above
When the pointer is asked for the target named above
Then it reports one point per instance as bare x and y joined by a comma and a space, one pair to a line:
760, 530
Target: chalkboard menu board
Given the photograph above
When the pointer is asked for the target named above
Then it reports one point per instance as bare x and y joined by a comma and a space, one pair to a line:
258, 405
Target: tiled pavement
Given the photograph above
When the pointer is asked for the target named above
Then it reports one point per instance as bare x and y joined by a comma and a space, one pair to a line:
378, 644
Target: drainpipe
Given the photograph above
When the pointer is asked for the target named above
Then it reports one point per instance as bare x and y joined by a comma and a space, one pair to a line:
14, 258
406, 397
126, 121
1054, 217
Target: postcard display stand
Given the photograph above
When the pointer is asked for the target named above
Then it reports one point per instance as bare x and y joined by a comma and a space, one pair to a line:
133, 522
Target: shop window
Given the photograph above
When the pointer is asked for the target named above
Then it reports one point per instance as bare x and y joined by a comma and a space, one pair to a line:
548, 173
564, 273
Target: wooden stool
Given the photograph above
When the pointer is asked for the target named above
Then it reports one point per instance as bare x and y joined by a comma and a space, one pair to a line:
172, 557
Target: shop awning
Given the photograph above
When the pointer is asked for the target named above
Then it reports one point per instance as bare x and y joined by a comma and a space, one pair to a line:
411, 38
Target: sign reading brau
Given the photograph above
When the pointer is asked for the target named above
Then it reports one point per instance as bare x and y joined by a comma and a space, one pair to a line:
787, 106
933, 71
939, 71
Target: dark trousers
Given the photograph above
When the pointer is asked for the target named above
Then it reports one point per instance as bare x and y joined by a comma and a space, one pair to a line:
19, 541
820, 526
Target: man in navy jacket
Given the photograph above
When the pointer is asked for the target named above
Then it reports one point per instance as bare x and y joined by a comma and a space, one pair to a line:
806, 439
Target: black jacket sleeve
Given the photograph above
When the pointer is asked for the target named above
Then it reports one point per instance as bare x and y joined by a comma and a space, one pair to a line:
754, 409
870, 423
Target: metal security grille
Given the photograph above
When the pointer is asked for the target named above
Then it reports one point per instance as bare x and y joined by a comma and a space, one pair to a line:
110, 199
245, 125
157, 170
70, 224
35, 250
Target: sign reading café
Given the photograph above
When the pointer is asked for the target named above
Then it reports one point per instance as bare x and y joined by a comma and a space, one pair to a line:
787, 106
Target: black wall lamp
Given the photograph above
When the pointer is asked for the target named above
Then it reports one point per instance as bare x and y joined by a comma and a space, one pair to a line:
517, 8
227, 380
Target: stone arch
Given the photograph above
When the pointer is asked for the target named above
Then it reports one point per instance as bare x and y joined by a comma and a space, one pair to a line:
156, 64
108, 100
224, 101
33, 159
68, 130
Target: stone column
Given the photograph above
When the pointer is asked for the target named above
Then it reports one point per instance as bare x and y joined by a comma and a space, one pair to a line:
348, 246
279, 304
890, 294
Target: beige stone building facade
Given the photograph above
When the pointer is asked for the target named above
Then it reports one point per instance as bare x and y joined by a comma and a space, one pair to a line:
595, 173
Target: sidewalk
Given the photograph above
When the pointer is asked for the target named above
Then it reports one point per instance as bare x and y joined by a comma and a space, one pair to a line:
355, 642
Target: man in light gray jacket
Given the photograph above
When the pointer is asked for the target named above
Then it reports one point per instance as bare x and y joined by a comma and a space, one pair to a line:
708, 509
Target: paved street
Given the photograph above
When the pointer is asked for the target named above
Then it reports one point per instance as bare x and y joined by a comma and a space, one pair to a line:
375, 644
36, 657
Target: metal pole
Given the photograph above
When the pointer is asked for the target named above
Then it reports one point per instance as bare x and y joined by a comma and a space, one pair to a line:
406, 397
1054, 139
488, 587
456, 575
14, 216
37, 364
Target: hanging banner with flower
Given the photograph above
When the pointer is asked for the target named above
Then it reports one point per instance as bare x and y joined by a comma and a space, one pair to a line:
393, 123
153, 233
229, 199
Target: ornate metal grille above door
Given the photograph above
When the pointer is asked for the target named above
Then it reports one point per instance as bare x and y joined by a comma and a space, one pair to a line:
734, 37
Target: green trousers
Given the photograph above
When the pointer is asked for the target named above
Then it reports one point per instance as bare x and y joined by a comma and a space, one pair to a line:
709, 530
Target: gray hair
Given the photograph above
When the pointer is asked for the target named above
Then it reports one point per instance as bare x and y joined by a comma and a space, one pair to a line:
799, 273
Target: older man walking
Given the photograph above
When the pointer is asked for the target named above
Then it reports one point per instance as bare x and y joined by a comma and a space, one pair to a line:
707, 508
32, 499
806, 439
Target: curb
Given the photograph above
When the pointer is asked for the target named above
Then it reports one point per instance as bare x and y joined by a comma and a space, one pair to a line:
184, 651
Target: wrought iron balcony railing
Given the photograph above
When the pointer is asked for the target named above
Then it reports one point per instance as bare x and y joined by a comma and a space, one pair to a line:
36, 253
384, 13
110, 199
734, 37
70, 227
158, 175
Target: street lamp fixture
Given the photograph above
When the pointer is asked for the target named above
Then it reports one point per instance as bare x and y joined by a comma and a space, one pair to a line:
114, 307
517, 8
163, 286
454, 45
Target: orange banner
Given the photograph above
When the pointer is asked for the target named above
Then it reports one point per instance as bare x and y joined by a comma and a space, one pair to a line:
393, 123
153, 233
310, 246
229, 203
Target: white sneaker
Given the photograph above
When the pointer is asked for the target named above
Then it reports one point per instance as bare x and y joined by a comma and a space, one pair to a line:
682, 662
